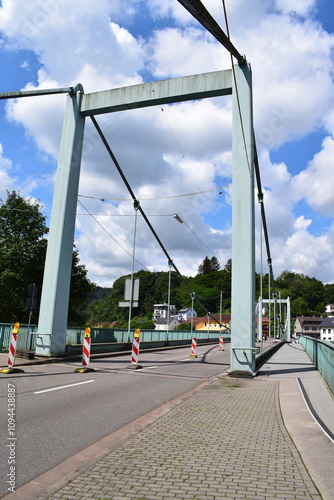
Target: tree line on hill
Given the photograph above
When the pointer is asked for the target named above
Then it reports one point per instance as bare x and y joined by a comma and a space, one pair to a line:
308, 296
22, 255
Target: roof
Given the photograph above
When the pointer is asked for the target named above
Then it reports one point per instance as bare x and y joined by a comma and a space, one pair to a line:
225, 318
309, 320
329, 321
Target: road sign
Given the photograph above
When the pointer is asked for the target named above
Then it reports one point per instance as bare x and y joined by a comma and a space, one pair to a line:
135, 289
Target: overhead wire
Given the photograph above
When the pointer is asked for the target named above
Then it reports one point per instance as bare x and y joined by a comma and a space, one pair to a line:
236, 88
256, 168
140, 209
111, 236
190, 170
153, 199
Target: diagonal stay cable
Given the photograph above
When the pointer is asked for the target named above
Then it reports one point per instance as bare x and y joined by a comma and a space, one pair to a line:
118, 167
106, 231
264, 224
263, 215
236, 88
197, 9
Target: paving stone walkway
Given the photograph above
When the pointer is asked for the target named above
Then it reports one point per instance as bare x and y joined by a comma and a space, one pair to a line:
227, 441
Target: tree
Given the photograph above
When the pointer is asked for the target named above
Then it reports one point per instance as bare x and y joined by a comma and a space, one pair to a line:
209, 266
81, 287
22, 253
22, 258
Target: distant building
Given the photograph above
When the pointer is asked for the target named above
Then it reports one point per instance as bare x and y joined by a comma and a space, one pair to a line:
308, 325
208, 323
163, 319
327, 329
185, 313
330, 310
265, 326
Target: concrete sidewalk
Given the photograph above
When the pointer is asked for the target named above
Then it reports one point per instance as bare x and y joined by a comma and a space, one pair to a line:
233, 438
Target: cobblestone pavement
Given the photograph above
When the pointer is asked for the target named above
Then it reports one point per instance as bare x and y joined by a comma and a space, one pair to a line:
226, 441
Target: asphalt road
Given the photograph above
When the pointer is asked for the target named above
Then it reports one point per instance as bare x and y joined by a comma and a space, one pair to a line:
59, 412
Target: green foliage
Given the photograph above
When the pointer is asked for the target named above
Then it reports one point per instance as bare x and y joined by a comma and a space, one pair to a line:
307, 295
184, 327
22, 253
209, 266
81, 286
22, 257
153, 289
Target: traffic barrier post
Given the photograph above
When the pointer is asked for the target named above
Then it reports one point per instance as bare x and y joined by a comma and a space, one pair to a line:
221, 343
86, 353
135, 351
193, 348
11, 353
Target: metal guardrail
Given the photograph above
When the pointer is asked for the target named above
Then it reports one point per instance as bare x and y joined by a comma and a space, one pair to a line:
321, 354
104, 339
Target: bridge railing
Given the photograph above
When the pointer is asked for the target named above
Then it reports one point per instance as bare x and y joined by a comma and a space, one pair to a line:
321, 354
109, 340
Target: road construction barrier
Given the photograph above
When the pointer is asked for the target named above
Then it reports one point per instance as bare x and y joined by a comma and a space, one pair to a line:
135, 350
11, 353
86, 353
193, 348
221, 343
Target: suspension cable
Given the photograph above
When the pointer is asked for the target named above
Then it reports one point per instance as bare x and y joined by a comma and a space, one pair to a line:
118, 167
197, 9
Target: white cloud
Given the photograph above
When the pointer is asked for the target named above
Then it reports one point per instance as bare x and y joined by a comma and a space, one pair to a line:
6, 181
177, 52
184, 148
300, 7
307, 254
316, 182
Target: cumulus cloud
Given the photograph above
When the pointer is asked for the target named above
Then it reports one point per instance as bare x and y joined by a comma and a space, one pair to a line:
6, 180
177, 158
316, 183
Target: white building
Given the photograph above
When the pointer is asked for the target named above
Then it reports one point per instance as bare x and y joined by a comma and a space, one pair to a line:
163, 319
327, 329
185, 313
330, 309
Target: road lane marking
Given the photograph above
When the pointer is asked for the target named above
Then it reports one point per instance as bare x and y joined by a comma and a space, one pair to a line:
63, 386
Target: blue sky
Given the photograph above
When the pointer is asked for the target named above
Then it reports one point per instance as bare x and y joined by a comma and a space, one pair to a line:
177, 159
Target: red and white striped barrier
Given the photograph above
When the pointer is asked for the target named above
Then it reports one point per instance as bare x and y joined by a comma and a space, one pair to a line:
86, 353
135, 350
12, 351
221, 343
193, 348
12, 347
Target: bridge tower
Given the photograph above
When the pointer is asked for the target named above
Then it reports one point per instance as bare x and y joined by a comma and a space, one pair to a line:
52, 324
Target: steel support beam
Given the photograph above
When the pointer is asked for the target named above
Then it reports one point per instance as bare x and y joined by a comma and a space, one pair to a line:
52, 325
186, 88
55, 295
243, 241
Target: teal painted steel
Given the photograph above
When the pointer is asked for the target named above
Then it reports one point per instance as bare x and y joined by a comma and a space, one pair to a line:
57, 273
321, 354
243, 241
155, 93
6, 330
5, 335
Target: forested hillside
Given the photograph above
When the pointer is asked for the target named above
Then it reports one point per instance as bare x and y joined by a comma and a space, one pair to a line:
22, 256
308, 296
